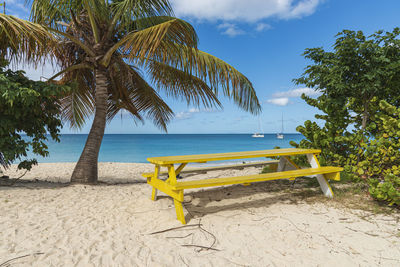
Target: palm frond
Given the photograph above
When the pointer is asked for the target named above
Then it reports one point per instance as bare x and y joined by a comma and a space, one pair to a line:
79, 104
147, 22
140, 95
71, 56
120, 83
144, 43
179, 84
125, 11
206, 67
68, 69
151, 103
21, 37
97, 12
49, 12
60, 15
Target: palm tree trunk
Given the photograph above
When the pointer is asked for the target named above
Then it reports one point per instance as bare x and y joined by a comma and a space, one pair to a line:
86, 169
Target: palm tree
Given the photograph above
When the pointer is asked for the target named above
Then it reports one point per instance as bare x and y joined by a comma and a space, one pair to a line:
107, 48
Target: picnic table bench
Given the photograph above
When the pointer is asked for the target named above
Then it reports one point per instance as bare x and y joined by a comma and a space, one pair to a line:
285, 169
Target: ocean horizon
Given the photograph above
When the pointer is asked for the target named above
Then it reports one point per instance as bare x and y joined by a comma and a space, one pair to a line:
138, 147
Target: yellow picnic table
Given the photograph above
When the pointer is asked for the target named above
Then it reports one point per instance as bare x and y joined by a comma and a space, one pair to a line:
285, 169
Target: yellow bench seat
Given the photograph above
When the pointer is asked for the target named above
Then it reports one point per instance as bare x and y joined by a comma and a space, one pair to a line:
329, 173
218, 168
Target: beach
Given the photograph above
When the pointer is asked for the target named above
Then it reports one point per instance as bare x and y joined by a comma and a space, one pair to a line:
287, 113
52, 223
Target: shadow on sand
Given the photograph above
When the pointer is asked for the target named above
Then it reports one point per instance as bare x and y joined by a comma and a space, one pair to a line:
208, 200
239, 197
10, 184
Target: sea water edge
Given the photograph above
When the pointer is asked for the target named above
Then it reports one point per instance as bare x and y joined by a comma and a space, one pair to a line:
136, 148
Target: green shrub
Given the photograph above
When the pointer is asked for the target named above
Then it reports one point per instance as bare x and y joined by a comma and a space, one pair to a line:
387, 190
26, 107
381, 156
359, 104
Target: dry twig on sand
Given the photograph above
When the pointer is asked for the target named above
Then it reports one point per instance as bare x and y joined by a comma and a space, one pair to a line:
199, 226
201, 247
174, 228
7, 263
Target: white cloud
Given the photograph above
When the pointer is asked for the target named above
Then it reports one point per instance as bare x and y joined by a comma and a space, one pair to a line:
283, 98
230, 29
262, 26
183, 115
194, 110
303, 8
248, 11
297, 93
281, 101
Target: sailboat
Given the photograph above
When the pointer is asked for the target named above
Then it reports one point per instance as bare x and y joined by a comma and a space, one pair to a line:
280, 135
258, 135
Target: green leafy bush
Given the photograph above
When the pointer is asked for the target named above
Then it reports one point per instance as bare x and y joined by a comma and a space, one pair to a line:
381, 156
359, 124
26, 107
386, 190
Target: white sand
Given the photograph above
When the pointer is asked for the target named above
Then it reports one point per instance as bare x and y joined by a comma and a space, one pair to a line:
110, 224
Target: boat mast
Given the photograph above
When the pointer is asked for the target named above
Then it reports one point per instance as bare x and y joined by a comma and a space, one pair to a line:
260, 126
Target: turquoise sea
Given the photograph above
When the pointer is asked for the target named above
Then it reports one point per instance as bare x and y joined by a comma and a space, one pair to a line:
138, 147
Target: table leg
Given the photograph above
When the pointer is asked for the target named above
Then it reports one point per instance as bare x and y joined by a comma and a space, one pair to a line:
171, 175
291, 162
155, 176
180, 168
154, 194
323, 182
178, 204
179, 211
286, 164
177, 171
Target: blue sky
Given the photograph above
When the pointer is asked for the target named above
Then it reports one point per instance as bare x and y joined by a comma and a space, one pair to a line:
264, 39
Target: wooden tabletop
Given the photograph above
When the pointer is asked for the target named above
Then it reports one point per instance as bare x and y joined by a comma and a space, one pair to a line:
201, 158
